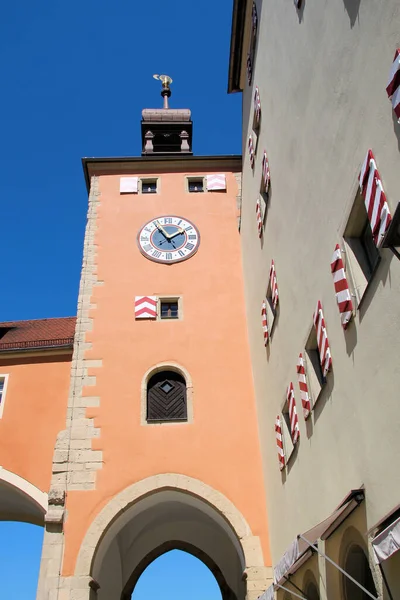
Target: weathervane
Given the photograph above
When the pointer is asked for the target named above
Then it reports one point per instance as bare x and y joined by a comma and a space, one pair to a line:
165, 92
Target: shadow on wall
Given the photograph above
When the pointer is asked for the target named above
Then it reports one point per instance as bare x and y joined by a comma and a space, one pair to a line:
352, 7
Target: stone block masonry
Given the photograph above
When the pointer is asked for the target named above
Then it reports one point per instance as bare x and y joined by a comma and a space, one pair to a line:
75, 463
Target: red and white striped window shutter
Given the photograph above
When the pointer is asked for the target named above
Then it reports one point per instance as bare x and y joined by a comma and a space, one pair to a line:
259, 218
302, 379
294, 421
374, 198
279, 442
266, 175
322, 340
264, 322
257, 106
343, 296
216, 181
128, 185
250, 146
393, 86
273, 286
145, 307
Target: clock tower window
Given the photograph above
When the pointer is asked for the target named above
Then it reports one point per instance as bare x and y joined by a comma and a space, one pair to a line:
166, 398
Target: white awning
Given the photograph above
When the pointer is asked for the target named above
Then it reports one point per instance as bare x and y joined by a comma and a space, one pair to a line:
387, 542
287, 561
269, 593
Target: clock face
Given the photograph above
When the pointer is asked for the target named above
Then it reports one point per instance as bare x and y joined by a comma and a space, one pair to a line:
168, 239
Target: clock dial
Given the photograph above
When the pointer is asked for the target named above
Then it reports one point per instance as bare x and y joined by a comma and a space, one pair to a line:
168, 239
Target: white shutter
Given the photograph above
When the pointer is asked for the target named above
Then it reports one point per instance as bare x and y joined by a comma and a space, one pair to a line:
128, 185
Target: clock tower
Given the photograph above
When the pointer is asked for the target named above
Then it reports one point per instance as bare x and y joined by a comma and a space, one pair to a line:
160, 448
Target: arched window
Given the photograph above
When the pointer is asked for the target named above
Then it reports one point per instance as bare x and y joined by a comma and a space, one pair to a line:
357, 566
166, 397
312, 591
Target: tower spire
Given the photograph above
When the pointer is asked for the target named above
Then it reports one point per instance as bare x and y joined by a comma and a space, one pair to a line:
165, 92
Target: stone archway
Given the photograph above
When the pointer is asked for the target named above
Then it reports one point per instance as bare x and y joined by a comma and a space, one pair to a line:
226, 592
20, 500
170, 509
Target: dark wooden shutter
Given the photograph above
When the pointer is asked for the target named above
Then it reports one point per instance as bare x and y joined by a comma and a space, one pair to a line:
166, 397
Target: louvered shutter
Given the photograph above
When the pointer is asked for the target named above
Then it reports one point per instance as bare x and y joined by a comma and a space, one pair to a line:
264, 322
374, 198
145, 307
259, 218
393, 86
257, 107
216, 181
322, 340
294, 421
250, 146
279, 442
273, 285
302, 379
128, 185
343, 296
266, 175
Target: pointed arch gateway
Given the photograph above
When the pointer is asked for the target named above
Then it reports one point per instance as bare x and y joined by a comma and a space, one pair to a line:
165, 512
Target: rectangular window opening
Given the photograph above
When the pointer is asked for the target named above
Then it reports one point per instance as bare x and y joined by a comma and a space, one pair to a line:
169, 309
316, 380
360, 252
196, 185
3, 389
149, 186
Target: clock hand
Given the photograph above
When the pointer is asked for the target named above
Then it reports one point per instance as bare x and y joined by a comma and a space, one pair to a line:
176, 233
161, 228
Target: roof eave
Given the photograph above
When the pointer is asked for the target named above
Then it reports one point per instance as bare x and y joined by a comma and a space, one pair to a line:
153, 158
236, 50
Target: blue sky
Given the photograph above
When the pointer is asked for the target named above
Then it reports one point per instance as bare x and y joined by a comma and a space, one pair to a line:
74, 79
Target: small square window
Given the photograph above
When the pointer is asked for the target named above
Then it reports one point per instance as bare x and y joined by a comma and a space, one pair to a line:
169, 309
196, 185
360, 250
149, 186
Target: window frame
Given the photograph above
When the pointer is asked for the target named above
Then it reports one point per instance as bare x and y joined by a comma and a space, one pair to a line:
169, 304
316, 381
360, 267
169, 420
170, 299
191, 178
4, 377
143, 180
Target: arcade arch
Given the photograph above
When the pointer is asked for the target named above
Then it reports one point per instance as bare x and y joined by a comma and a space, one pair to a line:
20, 500
161, 513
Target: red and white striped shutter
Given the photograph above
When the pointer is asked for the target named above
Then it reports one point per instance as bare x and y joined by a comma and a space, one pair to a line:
259, 218
266, 175
343, 296
128, 185
274, 285
145, 307
322, 340
393, 86
257, 105
294, 421
264, 322
216, 181
251, 151
374, 198
279, 442
304, 395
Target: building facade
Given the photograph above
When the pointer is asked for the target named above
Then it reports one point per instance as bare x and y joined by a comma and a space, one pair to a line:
319, 213
155, 443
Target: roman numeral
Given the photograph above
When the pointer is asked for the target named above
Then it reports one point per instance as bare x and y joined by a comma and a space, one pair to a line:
147, 247
156, 254
144, 239
189, 246
181, 253
188, 228
147, 229
168, 256
192, 237
167, 221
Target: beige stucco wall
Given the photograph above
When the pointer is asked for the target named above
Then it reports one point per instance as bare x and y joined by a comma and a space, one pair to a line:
322, 74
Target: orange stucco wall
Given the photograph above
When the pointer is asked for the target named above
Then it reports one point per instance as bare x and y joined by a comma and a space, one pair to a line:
35, 408
221, 446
